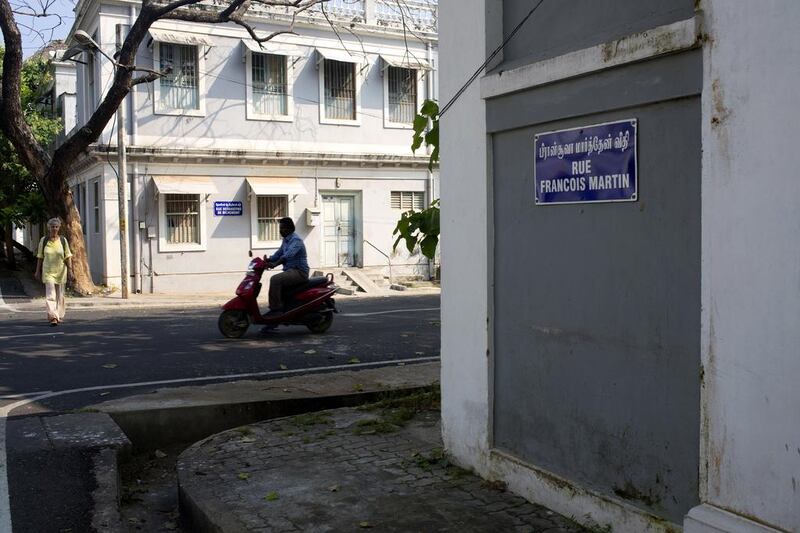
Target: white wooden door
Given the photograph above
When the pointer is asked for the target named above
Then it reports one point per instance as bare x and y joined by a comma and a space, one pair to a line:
338, 234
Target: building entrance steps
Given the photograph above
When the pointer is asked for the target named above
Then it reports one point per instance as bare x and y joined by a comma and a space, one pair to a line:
347, 469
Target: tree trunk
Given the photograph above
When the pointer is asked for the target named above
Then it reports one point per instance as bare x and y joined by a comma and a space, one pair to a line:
80, 276
9, 244
59, 198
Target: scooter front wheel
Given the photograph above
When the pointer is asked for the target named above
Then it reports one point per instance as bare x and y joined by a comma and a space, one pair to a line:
233, 323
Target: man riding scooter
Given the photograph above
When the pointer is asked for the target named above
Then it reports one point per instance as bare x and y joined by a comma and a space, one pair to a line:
292, 255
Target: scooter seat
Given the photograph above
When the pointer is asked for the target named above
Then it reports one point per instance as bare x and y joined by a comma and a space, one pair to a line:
310, 284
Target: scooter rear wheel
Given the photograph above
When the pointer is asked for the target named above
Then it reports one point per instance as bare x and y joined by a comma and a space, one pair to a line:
323, 325
233, 323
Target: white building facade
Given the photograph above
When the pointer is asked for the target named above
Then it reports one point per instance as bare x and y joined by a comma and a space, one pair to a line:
313, 125
630, 365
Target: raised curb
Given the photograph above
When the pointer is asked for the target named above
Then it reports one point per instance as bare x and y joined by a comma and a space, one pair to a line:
188, 414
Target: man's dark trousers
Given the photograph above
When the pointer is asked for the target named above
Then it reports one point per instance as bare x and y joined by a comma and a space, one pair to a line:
284, 280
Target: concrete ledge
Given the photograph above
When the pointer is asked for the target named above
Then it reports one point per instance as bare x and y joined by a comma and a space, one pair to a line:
706, 518
189, 414
667, 39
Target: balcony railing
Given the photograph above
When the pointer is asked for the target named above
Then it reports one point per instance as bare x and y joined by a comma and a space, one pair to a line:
417, 15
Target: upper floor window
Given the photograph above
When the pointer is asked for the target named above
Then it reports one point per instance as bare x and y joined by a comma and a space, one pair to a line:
404, 78
402, 94
270, 92
339, 89
269, 81
179, 88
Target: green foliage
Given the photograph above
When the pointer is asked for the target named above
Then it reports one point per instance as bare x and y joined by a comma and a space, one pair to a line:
421, 228
21, 201
426, 130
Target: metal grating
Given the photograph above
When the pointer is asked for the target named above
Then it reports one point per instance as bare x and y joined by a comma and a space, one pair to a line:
270, 210
340, 90
402, 94
270, 92
179, 88
183, 218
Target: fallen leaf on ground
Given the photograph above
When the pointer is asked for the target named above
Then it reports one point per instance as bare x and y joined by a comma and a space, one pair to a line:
365, 525
244, 476
159, 454
334, 488
104, 393
309, 352
271, 496
353, 360
110, 365
171, 526
248, 438
283, 367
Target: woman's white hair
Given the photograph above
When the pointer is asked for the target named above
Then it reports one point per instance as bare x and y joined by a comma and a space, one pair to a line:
55, 221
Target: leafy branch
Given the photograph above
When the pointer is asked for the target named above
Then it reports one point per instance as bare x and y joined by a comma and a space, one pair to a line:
422, 227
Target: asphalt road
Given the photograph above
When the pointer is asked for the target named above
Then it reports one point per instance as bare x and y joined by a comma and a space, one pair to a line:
100, 348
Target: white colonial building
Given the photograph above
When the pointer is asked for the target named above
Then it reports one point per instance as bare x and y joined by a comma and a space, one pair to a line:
314, 125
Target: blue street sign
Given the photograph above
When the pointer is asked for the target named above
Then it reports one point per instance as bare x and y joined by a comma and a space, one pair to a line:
227, 209
587, 164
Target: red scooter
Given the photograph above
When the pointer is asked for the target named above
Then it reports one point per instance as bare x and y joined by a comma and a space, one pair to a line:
310, 304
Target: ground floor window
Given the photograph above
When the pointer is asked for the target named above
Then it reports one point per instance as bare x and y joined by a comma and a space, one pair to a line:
406, 200
270, 210
183, 218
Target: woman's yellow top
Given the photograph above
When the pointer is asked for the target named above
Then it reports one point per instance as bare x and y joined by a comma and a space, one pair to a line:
54, 255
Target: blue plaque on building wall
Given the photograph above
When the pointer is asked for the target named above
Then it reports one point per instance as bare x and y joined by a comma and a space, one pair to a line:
587, 164
227, 209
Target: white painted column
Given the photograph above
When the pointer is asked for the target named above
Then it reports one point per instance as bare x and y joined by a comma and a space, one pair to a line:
750, 478
464, 223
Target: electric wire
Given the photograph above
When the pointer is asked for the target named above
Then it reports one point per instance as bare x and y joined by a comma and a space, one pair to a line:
480, 69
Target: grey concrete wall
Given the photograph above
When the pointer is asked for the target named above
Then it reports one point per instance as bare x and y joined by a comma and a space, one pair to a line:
597, 306
561, 26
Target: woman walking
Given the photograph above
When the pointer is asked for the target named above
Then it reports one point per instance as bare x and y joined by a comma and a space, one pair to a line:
53, 261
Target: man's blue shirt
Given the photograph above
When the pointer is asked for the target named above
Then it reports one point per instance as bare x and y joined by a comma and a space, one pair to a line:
294, 252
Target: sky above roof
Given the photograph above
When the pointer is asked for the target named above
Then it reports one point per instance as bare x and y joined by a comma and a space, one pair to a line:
38, 31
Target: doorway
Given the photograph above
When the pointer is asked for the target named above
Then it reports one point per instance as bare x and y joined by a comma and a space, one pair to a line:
338, 246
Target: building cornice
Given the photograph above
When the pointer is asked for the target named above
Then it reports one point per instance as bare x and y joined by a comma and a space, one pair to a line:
247, 158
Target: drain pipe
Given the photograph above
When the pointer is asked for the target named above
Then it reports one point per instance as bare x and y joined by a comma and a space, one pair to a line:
137, 232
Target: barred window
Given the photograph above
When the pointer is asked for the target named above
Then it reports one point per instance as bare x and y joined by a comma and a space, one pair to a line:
402, 94
270, 210
96, 205
179, 88
340, 90
407, 200
183, 218
270, 92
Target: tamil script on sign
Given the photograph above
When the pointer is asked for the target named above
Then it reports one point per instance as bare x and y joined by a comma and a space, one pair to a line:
587, 164
227, 209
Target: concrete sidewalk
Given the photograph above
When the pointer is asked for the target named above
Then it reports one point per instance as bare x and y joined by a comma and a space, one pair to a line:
113, 299
348, 469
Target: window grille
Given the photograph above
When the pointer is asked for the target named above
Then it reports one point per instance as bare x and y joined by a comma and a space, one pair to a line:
179, 88
340, 90
96, 205
407, 200
183, 218
402, 94
270, 92
270, 210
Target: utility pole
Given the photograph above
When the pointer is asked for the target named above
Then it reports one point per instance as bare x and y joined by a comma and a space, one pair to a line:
122, 181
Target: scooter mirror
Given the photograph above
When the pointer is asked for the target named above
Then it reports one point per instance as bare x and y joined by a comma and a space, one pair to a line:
249, 253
